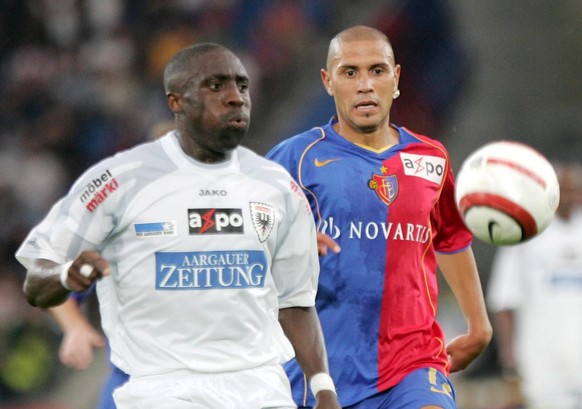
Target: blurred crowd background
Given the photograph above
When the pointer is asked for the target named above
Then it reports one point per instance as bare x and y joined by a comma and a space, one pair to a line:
82, 79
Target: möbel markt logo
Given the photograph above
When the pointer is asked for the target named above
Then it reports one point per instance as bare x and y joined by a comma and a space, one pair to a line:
98, 190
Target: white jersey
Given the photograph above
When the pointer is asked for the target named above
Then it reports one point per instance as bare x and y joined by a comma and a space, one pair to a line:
541, 281
202, 256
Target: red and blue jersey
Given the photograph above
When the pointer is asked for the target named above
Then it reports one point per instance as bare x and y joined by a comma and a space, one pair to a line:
390, 211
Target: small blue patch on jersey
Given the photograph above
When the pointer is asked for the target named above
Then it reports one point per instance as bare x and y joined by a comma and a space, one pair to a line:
207, 270
155, 229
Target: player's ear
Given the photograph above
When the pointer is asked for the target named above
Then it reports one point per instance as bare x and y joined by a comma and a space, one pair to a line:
326, 79
397, 69
175, 102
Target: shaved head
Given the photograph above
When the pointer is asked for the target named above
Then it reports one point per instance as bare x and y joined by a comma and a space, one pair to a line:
362, 77
356, 33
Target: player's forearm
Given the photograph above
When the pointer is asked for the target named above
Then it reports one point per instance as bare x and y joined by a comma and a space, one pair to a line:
69, 316
48, 284
460, 272
471, 302
301, 326
42, 286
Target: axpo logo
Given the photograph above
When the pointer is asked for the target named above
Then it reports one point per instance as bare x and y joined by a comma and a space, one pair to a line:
215, 221
431, 168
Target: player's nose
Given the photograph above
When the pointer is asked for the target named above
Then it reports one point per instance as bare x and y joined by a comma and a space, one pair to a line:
234, 95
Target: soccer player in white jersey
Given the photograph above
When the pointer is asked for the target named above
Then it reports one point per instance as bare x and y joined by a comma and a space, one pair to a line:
535, 296
204, 254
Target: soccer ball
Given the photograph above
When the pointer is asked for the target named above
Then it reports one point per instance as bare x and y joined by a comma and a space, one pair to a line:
507, 192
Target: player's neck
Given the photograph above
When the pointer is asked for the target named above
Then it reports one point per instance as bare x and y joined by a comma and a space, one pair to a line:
378, 139
200, 153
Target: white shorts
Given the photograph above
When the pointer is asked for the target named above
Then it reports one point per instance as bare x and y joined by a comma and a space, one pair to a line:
258, 388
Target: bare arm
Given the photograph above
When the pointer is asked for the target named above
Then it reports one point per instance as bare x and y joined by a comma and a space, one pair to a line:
79, 336
460, 272
43, 287
301, 326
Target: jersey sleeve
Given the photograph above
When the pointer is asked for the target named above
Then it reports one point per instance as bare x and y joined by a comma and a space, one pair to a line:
283, 155
295, 266
451, 234
79, 221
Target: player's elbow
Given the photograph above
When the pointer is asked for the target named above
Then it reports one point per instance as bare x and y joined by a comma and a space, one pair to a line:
33, 297
37, 297
484, 335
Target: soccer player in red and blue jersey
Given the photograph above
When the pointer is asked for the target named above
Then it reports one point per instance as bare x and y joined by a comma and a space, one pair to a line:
385, 195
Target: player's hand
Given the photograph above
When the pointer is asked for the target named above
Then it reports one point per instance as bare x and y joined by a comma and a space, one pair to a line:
327, 400
76, 350
324, 242
463, 349
87, 268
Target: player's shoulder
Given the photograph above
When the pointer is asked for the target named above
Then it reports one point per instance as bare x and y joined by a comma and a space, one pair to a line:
143, 151
300, 141
258, 165
422, 141
124, 162
266, 170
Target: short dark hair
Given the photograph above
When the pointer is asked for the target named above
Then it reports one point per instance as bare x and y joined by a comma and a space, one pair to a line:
181, 63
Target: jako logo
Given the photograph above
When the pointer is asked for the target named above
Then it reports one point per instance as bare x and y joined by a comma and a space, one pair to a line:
215, 221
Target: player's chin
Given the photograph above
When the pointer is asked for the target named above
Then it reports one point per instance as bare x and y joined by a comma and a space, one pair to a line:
232, 137
368, 126
367, 122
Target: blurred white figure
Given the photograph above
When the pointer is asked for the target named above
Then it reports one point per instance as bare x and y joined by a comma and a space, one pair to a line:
535, 293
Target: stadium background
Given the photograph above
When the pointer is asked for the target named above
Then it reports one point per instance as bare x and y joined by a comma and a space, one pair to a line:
81, 79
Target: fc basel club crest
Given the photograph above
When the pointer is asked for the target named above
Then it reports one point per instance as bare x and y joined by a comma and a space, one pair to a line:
385, 186
263, 216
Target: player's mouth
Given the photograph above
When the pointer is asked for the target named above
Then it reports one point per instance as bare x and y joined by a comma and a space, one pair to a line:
238, 120
366, 106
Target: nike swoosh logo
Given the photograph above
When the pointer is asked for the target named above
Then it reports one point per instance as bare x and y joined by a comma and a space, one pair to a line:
325, 162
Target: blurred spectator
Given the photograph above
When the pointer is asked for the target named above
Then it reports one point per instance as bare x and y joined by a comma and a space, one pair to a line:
535, 293
436, 65
27, 344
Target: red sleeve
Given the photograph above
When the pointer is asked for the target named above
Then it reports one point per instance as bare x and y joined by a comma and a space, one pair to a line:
450, 233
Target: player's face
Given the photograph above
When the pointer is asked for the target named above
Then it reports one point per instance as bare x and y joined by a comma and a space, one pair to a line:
362, 78
217, 104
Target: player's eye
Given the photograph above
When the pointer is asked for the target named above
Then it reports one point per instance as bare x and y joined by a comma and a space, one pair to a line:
243, 87
215, 86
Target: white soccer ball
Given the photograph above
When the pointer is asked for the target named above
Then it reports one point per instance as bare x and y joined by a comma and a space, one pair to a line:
507, 192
